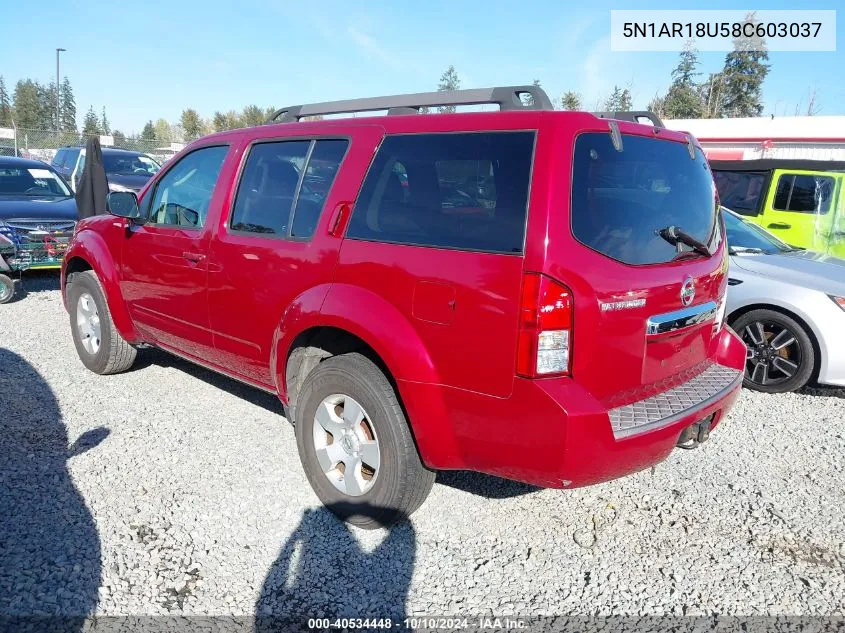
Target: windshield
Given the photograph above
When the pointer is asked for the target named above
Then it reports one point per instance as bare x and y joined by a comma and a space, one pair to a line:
32, 181
130, 164
622, 199
742, 234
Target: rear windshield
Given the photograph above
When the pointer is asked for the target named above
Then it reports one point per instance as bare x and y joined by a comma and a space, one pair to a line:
621, 199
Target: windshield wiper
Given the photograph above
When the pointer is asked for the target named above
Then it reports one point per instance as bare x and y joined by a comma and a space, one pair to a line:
675, 236
738, 250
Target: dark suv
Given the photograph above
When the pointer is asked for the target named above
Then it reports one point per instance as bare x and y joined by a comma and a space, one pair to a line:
126, 170
533, 294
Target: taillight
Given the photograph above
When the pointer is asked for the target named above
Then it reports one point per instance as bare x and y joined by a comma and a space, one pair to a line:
545, 328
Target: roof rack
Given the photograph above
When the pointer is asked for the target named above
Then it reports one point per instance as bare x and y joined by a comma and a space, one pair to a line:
634, 116
506, 97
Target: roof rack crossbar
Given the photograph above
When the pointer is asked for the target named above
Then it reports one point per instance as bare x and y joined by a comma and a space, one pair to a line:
634, 116
506, 97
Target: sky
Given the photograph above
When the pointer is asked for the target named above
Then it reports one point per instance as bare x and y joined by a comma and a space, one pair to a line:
151, 59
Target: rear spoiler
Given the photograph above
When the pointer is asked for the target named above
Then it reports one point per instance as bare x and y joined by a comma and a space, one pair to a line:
634, 116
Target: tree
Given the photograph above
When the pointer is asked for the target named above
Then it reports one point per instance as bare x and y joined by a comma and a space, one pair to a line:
149, 131
252, 115
163, 131
683, 99
743, 75
191, 123
91, 124
449, 80
104, 124
5, 105
219, 122
68, 107
571, 101
233, 120
656, 105
619, 100
710, 94
26, 104
536, 83
119, 137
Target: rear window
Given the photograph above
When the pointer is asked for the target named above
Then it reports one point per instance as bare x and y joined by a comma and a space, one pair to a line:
462, 191
620, 199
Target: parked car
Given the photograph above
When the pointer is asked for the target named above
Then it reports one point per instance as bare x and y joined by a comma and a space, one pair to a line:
126, 170
788, 305
800, 201
566, 330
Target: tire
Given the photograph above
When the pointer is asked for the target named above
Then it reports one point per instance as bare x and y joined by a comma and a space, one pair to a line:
99, 345
400, 482
7, 288
773, 366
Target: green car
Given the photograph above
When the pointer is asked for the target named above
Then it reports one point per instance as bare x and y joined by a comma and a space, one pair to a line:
800, 201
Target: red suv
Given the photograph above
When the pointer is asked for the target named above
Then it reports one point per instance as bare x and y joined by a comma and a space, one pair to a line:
533, 294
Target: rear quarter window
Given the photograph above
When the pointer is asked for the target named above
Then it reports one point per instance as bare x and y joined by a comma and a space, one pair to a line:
620, 199
804, 193
466, 191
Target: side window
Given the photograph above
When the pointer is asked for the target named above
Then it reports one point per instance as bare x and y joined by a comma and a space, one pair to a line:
804, 193
284, 186
184, 193
464, 191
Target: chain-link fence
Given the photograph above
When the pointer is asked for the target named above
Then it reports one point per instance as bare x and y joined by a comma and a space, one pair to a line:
43, 144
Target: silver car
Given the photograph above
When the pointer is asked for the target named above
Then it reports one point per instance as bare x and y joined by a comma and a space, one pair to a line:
788, 305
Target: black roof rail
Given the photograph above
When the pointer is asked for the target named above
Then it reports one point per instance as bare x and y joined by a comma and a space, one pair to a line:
506, 97
634, 116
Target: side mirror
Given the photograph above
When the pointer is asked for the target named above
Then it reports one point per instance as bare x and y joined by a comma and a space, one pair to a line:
123, 204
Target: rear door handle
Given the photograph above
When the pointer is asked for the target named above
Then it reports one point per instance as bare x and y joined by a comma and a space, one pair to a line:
193, 257
779, 225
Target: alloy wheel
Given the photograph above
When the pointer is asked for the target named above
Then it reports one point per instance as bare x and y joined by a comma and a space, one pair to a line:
773, 353
88, 323
346, 445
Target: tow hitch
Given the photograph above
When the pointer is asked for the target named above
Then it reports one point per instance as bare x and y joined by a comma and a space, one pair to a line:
696, 433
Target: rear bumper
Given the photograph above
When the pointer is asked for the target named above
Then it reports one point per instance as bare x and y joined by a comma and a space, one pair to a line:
553, 433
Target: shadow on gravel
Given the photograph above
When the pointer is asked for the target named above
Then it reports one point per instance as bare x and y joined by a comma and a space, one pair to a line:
152, 356
49, 546
823, 391
484, 485
323, 572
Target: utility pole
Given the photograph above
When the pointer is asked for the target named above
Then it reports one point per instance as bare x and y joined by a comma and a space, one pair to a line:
58, 89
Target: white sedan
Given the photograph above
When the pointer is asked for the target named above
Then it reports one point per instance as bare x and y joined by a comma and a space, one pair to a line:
788, 305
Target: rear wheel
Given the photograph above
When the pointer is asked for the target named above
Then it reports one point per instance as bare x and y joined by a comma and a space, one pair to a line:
355, 444
100, 346
780, 355
7, 288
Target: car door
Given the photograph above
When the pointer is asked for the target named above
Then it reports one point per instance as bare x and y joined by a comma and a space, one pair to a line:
275, 241
836, 245
799, 207
164, 259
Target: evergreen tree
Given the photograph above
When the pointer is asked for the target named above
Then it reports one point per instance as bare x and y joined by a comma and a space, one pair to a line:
683, 99
5, 105
26, 104
163, 131
449, 80
743, 75
252, 115
46, 106
620, 100
104, 123
91, 124
149, 132
571, 101
219, 122
191, 124
119, 137
67, 107
233, 120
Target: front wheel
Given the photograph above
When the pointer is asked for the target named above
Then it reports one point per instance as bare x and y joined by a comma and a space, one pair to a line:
7, 288
779, 352
100, 346
356, 446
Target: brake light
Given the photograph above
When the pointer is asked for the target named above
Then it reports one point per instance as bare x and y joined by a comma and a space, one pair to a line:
545, 328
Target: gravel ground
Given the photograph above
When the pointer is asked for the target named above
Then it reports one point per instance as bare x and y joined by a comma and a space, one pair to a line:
169, 489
